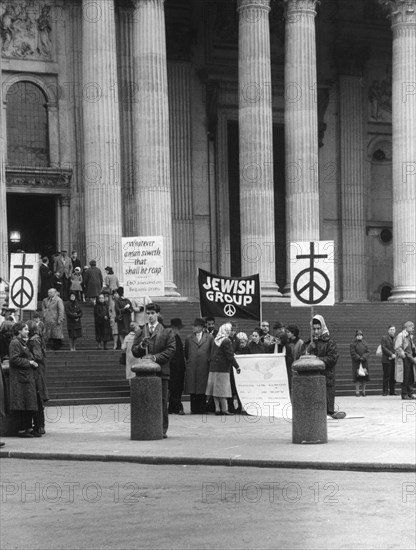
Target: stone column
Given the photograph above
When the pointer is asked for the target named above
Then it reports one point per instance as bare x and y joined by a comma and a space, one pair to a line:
301, 123
151, 130
256, 144
101, 169
4, 254
181, 176
353, 183
403, 19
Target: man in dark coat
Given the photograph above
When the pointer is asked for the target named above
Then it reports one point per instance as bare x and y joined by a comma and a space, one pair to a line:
324, 347
156, 342
93, 281
45, 276
177, 371
198, 346
388, 361
62, 267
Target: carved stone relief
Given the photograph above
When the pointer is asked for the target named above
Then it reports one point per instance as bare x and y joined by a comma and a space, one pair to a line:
26, 29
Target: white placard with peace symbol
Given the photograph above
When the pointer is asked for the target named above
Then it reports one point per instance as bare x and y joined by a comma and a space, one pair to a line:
312, 273
24, 275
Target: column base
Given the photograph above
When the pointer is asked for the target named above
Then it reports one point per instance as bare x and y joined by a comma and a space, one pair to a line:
171, 289
406, 294
270, 290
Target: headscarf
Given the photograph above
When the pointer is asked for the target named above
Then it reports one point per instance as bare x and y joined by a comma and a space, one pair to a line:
242, 336
323, 324
223, 333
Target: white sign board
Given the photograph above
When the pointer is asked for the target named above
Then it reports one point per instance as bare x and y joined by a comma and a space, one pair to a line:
312, 273
24, 275
262, 385
143, 267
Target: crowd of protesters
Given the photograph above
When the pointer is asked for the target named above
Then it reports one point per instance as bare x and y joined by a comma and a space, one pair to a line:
203, 365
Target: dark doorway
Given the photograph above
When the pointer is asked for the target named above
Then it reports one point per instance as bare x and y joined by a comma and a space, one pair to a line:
34, 217
385, 293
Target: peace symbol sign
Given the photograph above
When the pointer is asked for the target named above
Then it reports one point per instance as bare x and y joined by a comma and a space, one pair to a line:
312, 292
229, 310
22, 292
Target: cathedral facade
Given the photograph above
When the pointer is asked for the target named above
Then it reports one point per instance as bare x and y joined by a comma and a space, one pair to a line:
232, 128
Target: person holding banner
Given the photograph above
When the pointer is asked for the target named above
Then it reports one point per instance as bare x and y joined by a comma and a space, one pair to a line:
325, 348
222, 359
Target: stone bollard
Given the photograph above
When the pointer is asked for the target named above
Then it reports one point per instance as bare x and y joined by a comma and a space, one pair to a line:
146, 401
309, 424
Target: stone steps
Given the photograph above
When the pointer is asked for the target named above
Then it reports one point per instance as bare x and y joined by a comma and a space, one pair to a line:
95, 376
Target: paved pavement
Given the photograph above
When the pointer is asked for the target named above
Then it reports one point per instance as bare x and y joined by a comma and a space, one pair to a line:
379, 434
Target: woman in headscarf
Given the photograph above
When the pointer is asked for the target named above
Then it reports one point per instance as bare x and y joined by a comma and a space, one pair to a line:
325, 348
359, 354
222, 359
73, 320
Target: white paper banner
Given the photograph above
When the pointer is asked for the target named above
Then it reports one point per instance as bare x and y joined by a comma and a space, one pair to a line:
312, 273
143, 267
24, 275
262, 385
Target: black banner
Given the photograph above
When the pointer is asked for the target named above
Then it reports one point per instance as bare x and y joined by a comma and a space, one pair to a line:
229, 297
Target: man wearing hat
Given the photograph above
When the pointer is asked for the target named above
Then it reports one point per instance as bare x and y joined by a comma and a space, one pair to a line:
93, 281
62, 268
177, 371
156, 342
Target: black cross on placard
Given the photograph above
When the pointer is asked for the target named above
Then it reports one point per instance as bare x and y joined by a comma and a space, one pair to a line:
22, 290
311, 287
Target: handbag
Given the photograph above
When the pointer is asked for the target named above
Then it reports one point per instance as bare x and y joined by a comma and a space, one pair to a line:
361, 371
122, 359
379, 352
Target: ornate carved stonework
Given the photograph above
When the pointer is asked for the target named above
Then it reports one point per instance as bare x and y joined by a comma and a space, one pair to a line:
400, 11
26, 29
38, 178
296, 7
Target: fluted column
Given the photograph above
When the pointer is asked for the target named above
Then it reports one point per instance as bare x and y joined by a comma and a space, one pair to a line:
403, 19
101, 169
4, 255
353, 184
151, 130
256, 144
301, 123
181, 175
128, 91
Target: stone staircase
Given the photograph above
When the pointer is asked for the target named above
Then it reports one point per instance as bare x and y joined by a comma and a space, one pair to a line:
92, 376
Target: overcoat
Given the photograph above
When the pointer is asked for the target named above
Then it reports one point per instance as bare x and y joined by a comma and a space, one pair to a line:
359, 354
73, 319
93, 282
162, 345
37, 349
197, 358
22, 377
53, 317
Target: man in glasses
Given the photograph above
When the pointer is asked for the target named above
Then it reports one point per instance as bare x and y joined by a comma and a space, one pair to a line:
156, 342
